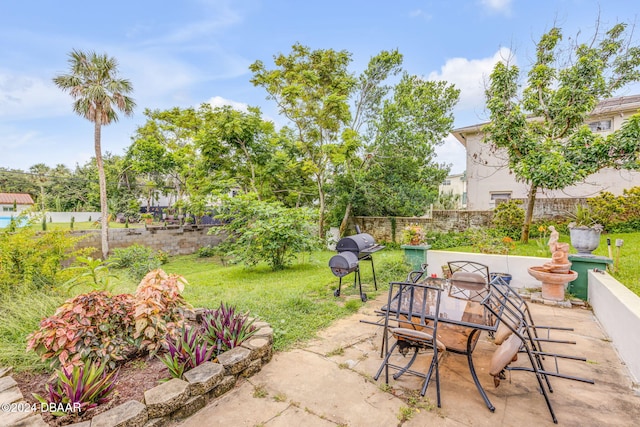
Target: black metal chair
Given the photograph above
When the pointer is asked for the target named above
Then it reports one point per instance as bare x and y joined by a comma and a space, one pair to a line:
411, 323
516, 302
522, 339
469, 280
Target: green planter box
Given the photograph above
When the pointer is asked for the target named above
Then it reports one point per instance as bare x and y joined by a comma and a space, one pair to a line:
581, 265
415, 255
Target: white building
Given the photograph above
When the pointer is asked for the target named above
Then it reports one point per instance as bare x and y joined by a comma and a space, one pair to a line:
13, 203
490, 181
455, 186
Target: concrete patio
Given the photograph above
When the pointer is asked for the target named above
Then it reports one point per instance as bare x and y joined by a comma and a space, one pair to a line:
328, 382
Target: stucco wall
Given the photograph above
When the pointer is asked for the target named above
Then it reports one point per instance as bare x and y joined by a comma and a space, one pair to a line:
515, 265
618, 311
173, 240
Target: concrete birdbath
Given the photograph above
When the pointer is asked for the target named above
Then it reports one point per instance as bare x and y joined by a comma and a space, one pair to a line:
553, 284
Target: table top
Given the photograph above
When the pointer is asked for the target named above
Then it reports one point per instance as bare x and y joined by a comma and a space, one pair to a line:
460, 303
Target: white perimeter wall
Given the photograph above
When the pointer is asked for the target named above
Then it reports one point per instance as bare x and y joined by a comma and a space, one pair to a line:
515, 265
66, 216
618, 311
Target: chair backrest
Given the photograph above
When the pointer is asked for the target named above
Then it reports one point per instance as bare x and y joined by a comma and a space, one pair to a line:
471, 268
414, 306
469, 280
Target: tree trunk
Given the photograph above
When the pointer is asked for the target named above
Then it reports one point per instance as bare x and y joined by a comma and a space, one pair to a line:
322, 207
531, 200
104, 222
345, 219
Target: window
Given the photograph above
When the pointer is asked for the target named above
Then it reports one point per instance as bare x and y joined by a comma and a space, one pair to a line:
446, 182
7, 209
497, 198
600, 126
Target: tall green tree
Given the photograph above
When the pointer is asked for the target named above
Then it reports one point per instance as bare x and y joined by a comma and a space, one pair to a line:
389, 167
164, 150
98, 92
238, 143
312, 89
543, 131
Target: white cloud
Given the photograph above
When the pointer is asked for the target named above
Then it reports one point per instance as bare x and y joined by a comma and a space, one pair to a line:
469, 76
500, 6
25, 96
218, 101
419, 13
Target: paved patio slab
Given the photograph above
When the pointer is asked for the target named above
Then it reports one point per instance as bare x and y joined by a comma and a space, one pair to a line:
329, 383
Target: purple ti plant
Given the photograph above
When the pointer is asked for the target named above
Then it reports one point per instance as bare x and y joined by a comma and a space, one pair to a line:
188, 350
80, 388
225, 329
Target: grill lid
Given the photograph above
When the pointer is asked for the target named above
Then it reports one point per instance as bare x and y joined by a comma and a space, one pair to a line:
356, 243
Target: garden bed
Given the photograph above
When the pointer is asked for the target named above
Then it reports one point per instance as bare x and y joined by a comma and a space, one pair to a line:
142, 395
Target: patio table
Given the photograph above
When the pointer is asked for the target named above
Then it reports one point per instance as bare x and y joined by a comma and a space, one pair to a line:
461, 319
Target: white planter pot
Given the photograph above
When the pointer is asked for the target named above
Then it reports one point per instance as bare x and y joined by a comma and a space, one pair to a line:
584, 239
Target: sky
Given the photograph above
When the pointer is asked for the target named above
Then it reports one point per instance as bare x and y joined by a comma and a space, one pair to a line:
185, 53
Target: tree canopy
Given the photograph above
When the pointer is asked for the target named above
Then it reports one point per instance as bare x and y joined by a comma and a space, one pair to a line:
543, 130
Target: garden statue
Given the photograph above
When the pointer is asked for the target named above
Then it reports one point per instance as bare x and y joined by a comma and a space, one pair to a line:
553, 239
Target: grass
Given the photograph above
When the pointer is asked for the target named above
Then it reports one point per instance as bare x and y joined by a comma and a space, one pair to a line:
297, 301
628, 267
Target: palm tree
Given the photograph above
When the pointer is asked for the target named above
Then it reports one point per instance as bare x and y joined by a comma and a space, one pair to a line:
97, 92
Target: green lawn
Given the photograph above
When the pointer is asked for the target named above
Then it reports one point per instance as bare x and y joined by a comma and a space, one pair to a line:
297, 301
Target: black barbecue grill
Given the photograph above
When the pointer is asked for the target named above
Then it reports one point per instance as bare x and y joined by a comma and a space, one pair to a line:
352, 250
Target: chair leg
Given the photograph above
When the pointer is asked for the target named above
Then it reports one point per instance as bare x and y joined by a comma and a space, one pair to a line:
472, 370
385, 363
434, 366
408, 365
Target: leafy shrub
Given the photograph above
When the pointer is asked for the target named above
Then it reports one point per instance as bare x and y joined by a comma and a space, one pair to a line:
489, 241
508, 218
95, 325
158, 302
266, 231
618, 214
137, 259
27, 258
451, 239
108, 328
224, 328
207, 251
82, 387
94, 272
186, 351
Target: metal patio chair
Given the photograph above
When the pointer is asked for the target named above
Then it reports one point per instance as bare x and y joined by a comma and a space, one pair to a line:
470, 279
516, 302
522, 340
411, 321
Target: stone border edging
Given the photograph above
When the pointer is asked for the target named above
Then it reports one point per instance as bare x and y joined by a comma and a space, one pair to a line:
172, 400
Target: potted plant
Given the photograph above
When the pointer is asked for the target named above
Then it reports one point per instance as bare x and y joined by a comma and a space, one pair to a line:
413, 235
147, 217
584, 231
415, 248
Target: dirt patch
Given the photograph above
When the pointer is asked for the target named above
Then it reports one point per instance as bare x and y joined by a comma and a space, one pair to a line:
134, 378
